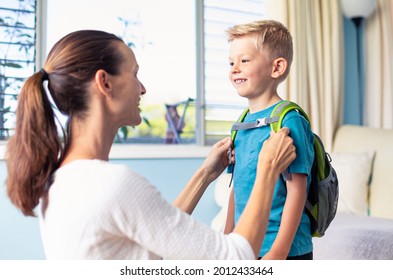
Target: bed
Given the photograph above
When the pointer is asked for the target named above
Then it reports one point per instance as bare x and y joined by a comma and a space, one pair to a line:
363, 227
352, 237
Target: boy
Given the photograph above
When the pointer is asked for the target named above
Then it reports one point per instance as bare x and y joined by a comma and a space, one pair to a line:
260, 58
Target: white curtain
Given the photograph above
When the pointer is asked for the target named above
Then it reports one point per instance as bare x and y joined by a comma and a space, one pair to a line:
315, 81
379, 67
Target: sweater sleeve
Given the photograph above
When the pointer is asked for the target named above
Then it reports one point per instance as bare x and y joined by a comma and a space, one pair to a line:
145, 217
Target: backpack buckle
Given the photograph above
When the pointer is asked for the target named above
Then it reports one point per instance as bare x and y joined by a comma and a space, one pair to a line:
261, 122
265, 121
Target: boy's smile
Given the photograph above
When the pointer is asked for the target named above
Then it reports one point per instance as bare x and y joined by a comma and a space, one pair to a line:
239, 81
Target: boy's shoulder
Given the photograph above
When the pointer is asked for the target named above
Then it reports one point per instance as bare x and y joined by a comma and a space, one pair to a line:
287, 112
294, 116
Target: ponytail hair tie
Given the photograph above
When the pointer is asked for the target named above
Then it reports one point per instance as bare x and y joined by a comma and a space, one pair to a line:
45, 74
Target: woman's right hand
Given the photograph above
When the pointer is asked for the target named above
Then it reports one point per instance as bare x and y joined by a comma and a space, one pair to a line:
278, 151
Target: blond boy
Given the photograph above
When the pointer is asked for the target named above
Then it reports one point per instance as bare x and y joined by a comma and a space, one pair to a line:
260, 57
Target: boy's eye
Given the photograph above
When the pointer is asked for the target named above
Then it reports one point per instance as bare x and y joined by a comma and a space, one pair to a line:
231, 64
245, 60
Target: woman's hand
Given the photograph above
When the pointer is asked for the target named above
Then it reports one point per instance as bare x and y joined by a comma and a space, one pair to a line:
278, 151
217, 160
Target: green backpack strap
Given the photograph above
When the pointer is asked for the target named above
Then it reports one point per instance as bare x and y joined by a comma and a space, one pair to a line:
323, 166
276, 116
240, 119
281, 110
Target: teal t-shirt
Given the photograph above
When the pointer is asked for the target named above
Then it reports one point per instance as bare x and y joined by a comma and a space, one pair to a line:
248, 144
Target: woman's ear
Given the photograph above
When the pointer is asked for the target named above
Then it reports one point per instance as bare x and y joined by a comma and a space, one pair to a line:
279, 67
103, 83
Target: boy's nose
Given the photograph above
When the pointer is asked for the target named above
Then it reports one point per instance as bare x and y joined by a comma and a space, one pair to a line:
235, 68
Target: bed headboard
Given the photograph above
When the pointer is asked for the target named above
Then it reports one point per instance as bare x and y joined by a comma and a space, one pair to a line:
362, 139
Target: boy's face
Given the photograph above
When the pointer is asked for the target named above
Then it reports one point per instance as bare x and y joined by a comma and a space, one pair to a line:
250, 72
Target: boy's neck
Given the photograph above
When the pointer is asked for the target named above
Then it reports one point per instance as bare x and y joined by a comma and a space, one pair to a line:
262, 102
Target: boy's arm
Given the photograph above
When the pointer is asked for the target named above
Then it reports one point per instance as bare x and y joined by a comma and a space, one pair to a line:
230, 221
292, 213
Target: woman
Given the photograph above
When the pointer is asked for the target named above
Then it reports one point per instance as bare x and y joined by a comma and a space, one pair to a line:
93, 209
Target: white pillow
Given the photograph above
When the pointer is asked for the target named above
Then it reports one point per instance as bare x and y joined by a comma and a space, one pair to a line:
354, 173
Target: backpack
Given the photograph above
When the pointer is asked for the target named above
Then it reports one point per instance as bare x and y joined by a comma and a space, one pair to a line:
322, 199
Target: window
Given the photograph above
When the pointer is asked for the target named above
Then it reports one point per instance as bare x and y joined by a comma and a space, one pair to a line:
181, 48
163, 40
223, 105
17, 56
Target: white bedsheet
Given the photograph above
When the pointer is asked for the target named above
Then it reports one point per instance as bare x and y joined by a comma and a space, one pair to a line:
357, 238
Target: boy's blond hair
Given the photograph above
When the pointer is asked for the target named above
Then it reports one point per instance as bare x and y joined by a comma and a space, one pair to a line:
272, 39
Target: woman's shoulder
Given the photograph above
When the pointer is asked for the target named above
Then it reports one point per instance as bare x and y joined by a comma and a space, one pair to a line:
97, 165
119, 171
100, 173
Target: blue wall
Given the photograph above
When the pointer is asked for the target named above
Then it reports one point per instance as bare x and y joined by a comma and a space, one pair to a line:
353, 69
20, 236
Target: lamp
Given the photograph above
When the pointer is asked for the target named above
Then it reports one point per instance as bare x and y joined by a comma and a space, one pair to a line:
357, 10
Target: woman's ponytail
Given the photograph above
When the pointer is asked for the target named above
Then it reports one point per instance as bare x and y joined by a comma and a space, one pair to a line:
33, 151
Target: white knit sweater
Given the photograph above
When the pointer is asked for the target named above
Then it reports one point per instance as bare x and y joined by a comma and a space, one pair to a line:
100, 210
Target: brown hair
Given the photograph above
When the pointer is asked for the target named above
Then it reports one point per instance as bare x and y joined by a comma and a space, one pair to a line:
272, 38
36, 149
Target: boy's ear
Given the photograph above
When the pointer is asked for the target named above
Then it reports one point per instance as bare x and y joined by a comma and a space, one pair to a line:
103, 83
279, 67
